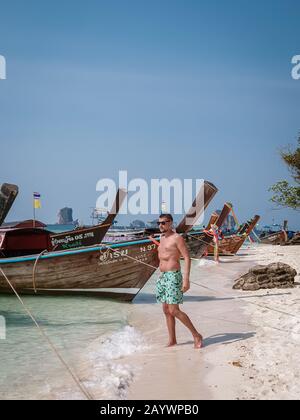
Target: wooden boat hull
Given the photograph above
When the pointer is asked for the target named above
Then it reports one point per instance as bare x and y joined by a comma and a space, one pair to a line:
116, 271
232, 244
278, 238
197, 243
228, 245
294, 241
93, 235
80, 237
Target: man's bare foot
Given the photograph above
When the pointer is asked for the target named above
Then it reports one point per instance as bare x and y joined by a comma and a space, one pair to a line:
171, 344
198, 341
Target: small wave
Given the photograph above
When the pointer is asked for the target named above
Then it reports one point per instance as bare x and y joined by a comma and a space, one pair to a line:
103, 372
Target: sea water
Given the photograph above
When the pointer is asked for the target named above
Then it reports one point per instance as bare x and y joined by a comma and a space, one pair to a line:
91, 334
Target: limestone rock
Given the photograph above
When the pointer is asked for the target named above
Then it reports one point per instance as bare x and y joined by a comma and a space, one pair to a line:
65, 216
275, 275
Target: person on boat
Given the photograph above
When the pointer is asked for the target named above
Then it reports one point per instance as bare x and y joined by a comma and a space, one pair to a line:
172, 284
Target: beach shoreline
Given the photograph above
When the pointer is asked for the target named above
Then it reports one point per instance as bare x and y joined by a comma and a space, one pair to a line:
229, 319
182, 372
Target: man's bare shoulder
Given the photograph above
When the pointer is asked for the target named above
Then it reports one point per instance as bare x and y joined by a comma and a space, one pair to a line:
178, 238
174, 237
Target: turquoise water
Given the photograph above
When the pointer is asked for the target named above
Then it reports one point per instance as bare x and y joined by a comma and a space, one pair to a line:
60, 228
92, 335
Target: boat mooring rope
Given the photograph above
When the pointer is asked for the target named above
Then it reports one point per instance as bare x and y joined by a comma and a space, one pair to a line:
34, 268
197, 239
223, 295
128, 256
83, 390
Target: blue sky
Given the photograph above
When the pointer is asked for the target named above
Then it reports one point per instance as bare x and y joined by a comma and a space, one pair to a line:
185, 89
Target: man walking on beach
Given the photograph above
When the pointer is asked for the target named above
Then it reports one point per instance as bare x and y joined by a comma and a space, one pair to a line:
171, 285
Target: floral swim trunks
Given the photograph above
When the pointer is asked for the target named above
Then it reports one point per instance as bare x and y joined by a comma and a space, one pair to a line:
168, 288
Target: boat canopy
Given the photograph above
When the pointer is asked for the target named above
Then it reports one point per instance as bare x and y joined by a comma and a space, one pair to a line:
30, 223
24, 241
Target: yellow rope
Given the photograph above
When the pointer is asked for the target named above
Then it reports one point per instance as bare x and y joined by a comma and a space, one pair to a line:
75, 378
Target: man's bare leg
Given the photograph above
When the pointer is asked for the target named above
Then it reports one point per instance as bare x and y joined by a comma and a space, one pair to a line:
182, 316
171, 325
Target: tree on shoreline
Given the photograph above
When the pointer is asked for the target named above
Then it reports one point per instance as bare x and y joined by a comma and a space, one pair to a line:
285, 194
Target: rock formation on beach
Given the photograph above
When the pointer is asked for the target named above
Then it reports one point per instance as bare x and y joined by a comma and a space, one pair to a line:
275, 275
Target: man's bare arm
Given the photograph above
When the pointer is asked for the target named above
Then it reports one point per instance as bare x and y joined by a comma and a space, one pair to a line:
181, 245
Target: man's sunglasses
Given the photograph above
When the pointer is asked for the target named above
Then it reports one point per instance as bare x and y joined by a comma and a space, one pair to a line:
163, 223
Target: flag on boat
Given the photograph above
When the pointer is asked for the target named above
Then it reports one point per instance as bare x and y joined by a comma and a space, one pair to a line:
37, 200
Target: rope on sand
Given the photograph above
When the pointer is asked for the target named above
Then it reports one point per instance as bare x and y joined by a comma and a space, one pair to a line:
247, 297
84, 391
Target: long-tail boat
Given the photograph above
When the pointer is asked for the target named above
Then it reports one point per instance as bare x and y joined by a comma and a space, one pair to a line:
295, 240
231, 244
30, 236
199, 240
8, 194
89, 236
117, 270
185, 225
278, 236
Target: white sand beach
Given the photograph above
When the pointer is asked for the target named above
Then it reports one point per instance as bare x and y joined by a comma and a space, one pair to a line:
251, 338
270, 360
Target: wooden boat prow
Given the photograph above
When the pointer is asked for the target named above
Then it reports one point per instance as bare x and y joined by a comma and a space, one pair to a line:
89, 236
212, 221
199, 241
8, 194
201, 202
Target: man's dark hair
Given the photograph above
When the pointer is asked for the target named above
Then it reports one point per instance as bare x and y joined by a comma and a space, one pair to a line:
167, 216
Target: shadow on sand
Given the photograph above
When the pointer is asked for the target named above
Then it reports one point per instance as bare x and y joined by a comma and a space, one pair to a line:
227, 338
149, 298
224, 339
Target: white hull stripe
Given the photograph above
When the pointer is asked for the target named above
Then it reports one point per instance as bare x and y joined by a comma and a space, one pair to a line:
116, 290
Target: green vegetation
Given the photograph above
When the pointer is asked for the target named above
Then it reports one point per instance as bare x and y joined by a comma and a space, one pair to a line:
285, 194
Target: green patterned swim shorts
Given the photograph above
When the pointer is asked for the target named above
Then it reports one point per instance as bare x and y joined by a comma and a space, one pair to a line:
168, 288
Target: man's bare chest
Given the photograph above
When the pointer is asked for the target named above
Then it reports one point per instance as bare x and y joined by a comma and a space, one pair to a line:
167, 246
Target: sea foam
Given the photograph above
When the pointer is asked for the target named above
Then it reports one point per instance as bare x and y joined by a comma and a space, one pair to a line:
105, 374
